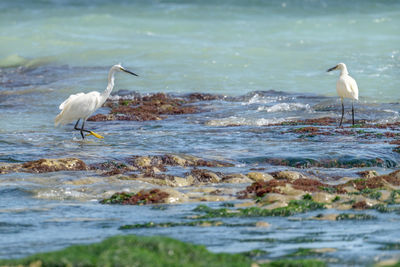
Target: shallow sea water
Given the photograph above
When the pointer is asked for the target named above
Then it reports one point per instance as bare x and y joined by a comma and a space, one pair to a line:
267, 59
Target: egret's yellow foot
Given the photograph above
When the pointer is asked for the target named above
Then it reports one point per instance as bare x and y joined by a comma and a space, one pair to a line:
95, 135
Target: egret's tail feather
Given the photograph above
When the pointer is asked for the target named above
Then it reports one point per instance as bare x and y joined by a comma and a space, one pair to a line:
58, 119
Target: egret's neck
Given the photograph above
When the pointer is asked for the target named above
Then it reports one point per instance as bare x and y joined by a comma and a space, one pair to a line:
110, 86
344, 71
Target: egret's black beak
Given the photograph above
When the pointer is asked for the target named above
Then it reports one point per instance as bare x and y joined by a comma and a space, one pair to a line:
331, 69
130, 72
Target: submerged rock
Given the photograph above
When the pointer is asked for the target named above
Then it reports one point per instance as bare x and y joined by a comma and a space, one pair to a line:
46, 165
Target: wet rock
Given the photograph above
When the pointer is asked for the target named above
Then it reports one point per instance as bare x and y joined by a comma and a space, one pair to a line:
385, 195
290, 191
9, 167
236, 178
85, 181
54, 165
273, 197
390, 181
110, 168
310, 185
194, 97
262, 224
161, 161
259, 189
192, 161
326, 217
288, 175
153, 107
322, 197
245, 204
368, 174
317, 121
175, 196
167, 180
204, 176
361, 205
260, 176
275, 205
143, 197
213, 198
349, 189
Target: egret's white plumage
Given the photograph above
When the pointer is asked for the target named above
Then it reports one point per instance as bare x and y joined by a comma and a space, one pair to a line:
346, 87
81, 105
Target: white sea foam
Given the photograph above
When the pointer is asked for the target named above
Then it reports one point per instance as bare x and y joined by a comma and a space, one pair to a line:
284, 107
240, 121
258, 99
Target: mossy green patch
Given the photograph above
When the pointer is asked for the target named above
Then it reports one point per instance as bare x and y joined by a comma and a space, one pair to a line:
294, 207
143, 197
192, 223
134, 251
302, 252
393, 197
390, 246
330, 190
295, 263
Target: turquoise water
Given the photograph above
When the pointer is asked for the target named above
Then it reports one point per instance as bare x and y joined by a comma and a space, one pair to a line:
228, 47
51, 49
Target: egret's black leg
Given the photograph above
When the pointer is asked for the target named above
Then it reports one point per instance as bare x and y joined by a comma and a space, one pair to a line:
352, 111
341, 119
81, 129
76, 125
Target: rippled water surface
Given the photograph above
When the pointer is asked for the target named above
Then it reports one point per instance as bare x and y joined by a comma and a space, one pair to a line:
267, 60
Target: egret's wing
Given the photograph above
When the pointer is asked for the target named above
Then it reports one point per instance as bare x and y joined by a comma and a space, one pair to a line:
83, 105
352, 87
69, 99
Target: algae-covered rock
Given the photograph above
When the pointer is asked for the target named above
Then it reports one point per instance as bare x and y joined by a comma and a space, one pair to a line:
143, 197
132, 250
203, 176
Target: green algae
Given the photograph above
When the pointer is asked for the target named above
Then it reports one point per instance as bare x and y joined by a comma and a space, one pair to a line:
294, 207
192, 223
130, 250
330, 190
302, 252
295, 263
390, 246
152, 196
134, 251
393, 197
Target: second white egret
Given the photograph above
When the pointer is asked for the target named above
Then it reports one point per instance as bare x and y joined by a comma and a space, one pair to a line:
81, 106
346, 87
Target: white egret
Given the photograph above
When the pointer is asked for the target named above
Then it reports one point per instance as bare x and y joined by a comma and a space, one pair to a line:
346, 87
81, 106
